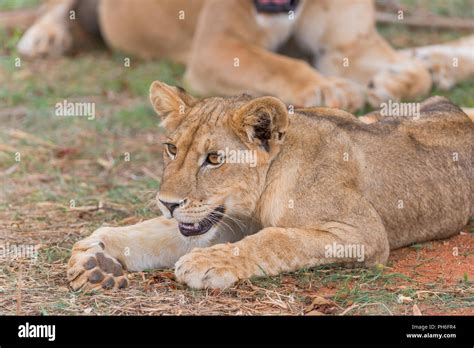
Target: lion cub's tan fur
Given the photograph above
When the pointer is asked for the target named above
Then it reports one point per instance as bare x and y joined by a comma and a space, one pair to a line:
322, 178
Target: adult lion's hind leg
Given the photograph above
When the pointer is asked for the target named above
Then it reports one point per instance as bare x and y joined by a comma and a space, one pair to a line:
387, 74
66, 25
99, 261
51, 34
448, 63
353, 49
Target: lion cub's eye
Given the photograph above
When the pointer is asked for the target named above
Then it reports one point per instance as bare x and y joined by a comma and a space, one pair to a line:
171, 150
214, 159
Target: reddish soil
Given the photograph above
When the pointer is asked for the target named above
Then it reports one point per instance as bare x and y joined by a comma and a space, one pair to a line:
446, 261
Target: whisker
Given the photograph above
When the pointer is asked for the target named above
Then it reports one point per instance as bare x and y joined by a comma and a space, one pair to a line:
236, 219
225, 224
240, 224
214, 220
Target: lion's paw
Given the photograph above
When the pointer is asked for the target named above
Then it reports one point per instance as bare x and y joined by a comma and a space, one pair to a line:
446, 64
209, 268
398, 82
337, 93
48, 37
90, 268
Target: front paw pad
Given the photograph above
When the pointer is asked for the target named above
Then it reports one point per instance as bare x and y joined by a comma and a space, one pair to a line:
94, 269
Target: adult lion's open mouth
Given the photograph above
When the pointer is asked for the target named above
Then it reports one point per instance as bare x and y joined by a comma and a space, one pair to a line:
201, 227
276, 6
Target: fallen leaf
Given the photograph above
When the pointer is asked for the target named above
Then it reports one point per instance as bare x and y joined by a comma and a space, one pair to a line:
160, 280
320, 301
321, 304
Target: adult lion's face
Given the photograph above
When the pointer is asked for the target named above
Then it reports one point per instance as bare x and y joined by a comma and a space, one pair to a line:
216, 156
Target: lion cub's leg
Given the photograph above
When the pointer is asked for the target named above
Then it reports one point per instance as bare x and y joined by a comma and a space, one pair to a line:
100, 259
274, 250
50, 35
448, 63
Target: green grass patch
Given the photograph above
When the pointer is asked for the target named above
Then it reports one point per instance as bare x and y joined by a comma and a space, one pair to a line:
6, 5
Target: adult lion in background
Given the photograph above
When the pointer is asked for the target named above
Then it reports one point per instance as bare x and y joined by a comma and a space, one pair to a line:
309, 184
231, 47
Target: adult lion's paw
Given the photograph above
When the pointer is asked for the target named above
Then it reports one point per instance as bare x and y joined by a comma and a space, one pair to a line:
337, 93
447, 64
90, 267
403, 81
48, 37
443, 73
216, 267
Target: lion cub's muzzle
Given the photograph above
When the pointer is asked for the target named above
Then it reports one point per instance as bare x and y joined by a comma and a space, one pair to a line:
203, 226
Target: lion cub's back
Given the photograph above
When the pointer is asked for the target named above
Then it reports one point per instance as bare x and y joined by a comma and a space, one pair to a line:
418, 173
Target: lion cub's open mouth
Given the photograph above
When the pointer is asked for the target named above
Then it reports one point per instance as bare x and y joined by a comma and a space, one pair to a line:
202, 226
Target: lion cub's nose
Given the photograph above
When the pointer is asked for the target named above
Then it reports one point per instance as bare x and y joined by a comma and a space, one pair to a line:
171, 206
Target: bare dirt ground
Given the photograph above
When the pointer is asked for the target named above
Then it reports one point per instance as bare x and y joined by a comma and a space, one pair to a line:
61, 178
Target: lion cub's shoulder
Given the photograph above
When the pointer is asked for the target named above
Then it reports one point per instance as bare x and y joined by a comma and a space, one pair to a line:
325, 112
440, 107
437, 109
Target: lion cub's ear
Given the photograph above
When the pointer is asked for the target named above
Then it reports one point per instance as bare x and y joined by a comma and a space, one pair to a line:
170, 103
262, 121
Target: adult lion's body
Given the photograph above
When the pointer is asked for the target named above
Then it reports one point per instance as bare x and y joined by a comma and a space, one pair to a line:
233, 46
228, 48
319, 179
237, 46
154, 29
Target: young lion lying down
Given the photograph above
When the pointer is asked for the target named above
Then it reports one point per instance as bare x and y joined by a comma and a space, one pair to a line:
320, 181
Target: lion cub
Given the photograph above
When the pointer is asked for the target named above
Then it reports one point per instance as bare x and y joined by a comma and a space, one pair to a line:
249, 189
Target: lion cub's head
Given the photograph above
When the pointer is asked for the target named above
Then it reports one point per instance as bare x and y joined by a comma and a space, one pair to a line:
216, 156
